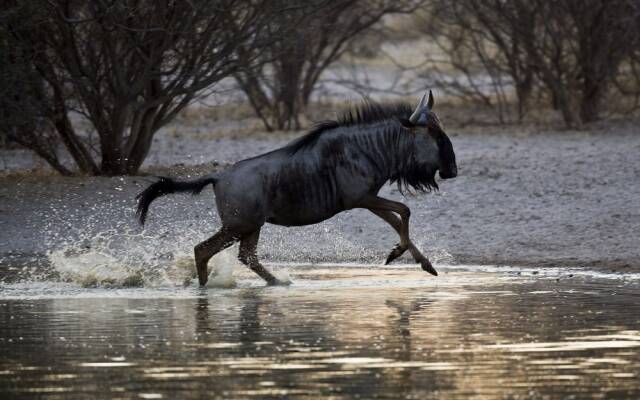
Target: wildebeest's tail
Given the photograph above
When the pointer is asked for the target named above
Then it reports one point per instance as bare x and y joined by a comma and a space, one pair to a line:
168, 186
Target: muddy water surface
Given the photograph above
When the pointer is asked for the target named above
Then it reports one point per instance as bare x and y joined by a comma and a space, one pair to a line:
338, 332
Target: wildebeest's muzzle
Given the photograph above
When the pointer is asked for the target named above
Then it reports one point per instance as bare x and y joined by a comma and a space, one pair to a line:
450, 172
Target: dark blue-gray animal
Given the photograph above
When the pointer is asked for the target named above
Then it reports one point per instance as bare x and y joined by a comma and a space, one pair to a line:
339, 165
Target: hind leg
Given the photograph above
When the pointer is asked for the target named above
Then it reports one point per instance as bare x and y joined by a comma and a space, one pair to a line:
207, 249
249, 257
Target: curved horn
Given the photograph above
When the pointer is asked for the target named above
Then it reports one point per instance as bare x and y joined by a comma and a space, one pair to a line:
416, 114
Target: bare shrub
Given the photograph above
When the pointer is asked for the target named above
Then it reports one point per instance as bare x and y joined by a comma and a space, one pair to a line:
128, 67
487, 56
318, 33
23, 98
570, 50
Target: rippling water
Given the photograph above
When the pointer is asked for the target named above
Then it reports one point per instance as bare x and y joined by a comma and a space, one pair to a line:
338, 332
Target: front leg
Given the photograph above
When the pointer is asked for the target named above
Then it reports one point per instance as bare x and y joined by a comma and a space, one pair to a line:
397, 251
384, 209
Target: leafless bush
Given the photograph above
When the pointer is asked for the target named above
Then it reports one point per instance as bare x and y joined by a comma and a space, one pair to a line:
23, 99
483, 59
127, 66
571, 49
318, 33
627, 81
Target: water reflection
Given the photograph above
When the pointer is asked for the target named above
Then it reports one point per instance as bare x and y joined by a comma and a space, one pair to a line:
340, 333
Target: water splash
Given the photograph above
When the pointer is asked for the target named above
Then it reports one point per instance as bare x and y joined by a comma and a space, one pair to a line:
282, 275
93, 269
225, 263
222, 266
117, 259
132, 259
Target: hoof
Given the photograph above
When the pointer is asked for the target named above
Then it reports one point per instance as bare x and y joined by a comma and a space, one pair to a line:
203, 275
277, 282
395, 253
426, 265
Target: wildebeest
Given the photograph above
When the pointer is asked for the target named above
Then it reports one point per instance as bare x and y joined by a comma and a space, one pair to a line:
339, 165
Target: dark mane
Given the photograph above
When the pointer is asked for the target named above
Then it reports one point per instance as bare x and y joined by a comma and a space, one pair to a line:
369, 112
363, 114
415, 177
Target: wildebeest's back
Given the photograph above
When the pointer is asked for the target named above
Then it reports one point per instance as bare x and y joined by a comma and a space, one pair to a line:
275, 188
297, 188
314, 184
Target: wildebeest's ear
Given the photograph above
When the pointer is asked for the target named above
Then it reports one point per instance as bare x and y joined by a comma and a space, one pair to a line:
430, 102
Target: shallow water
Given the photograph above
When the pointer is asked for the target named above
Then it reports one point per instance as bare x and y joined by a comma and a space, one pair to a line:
342, 331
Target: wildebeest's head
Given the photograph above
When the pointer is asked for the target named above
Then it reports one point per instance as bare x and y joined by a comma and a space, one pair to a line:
431, 139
